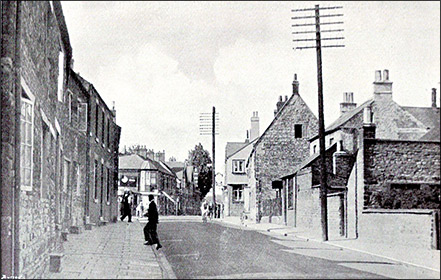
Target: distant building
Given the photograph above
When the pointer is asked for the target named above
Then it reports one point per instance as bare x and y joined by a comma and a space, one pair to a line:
144, 176
236, 180
283, 144
383, 166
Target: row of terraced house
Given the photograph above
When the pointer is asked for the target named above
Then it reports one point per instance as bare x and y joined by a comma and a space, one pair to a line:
382, 165
59, 152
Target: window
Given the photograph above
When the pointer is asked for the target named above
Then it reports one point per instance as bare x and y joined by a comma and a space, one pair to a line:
314, 149
104, 180
60, 75
153, 179
238, 166
109, 184
82, 116
298, 131
97, 115
103, 127
237, 193
108, 133
26, 143
66, 177
69, 104
95, 189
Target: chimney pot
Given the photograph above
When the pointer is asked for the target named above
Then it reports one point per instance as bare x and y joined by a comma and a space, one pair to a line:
280, 98
286, 98
433, 97
386, 75
295, 77
378, 75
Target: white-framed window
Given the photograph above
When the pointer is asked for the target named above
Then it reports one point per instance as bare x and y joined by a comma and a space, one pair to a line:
26, 142
82, 116
95, 187
109, 184
68, 100
78, 174
239, 166
331, 140
238, 193
60, 75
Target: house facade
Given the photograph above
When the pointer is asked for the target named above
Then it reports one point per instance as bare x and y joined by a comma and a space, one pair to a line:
283, 144
383, 165
236, 180
143, 176
44, 182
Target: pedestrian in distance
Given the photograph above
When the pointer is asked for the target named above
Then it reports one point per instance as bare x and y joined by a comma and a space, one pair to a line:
204, 210
127, 209
150, 234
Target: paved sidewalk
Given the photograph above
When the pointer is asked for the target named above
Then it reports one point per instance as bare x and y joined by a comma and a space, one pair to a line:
428, 259
112, 251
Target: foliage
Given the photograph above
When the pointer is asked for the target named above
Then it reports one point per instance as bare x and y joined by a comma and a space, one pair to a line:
200, 158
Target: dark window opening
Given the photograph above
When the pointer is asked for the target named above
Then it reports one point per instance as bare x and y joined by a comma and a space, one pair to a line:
298, 131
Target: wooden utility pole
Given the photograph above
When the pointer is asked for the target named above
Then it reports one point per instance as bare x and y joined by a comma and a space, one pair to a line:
318, 47
208, 126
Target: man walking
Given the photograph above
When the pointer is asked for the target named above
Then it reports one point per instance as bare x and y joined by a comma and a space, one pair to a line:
150, 234
127, 209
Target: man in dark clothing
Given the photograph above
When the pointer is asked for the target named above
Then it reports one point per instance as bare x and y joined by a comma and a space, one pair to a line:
127, 210
150, 234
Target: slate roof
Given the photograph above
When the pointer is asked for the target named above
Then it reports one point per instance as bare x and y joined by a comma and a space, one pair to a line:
306, 162
430, 117
246, 144
345, 117
233, 147
136, 162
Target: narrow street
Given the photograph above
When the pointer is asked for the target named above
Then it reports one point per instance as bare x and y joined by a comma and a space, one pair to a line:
213, 250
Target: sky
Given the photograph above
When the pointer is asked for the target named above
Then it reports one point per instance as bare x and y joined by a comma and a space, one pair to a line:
165, 63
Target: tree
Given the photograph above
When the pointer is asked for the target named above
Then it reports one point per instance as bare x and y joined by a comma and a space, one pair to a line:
200, 159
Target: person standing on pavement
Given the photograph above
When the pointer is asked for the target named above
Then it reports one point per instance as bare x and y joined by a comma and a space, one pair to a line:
150, 234
127, 209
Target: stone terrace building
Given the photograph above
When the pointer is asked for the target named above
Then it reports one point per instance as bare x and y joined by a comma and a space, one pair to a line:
44, 152
283, 144
383, 166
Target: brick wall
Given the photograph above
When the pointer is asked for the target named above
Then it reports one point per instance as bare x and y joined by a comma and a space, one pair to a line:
277, 152
388, 161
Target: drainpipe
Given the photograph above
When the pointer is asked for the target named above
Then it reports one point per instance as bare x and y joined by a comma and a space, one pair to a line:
16, 191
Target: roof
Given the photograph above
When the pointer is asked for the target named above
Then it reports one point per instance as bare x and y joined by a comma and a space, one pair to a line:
134, 161
345, 117
279, 112
427, 115
175, 166
306, 162
233, 147
433, 134
246, 144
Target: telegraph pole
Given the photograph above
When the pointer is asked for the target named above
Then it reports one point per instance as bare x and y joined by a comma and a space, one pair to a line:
208, 123
318, 46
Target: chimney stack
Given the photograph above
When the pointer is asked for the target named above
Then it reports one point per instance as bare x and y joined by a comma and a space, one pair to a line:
348, 102
254, 131
433, 97
382, 87
113, 111
369, 126
279, 105
295, 85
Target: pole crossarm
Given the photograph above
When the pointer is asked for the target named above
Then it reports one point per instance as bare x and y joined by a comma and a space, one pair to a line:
306, 32
302, 40
314, 24
313, 9
313, 47
331, 15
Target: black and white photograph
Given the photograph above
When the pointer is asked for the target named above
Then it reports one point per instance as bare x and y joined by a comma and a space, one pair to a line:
220, 140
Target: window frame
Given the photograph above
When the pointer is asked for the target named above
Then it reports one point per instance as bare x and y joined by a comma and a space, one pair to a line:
238, 166
29, 101
237, 191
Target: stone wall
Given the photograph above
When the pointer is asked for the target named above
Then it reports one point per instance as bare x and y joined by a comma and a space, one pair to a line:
277, 151
388, 162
